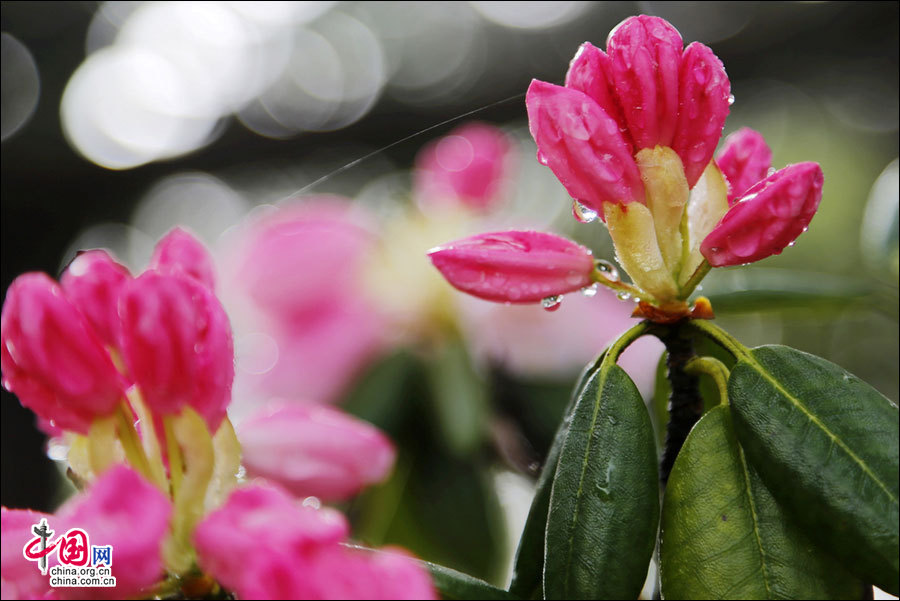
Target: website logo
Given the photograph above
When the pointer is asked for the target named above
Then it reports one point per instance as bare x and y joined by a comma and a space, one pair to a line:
81, 564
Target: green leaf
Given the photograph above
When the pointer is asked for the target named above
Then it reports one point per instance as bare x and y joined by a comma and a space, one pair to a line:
723, 536
456, 585
604, 504
460, 398
529, 564
826, 445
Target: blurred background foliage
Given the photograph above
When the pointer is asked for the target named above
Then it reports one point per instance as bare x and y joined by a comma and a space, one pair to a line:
121, 119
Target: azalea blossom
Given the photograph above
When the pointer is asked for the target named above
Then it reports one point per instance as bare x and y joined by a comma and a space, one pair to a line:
631, 137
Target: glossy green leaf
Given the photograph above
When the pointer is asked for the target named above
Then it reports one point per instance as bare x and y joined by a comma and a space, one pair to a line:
826, 445
529, 564
723, 536
456, 585
604, 503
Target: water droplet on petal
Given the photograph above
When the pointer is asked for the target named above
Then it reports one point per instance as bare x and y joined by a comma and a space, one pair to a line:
551, 303
730, 99
313, 502
622, 295
591, 290
582, 213
542, 158
608, 270
771, 171
57, 449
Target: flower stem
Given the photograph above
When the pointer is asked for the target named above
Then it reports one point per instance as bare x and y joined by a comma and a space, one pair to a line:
713, 368
176, 466
131, 442
695, 278
685, 402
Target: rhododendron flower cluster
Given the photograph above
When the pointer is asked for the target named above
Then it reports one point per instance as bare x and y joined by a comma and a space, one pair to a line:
631, 136
139, 370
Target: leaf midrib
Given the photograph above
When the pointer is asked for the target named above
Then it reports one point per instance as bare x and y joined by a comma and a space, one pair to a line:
751, 360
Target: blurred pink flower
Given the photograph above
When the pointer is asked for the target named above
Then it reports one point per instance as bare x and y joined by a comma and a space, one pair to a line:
179, 252
315, 451
292, 284
514, 266
51, 357
176, 342
120, 509
467, 166
263, 545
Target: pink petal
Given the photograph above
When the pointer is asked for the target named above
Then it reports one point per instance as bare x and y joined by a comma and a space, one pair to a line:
514, 266
467, 166
179, 252
297, 257
228, 539
19, 577
704, 98
315, 451
590, 72
745, 159
51, 357
582, 145
177, 344
123, 510
92, 282
645, 53
768, 218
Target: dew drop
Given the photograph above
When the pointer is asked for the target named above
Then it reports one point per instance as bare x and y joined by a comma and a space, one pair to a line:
730, 99
551, 303
241, 474
583, 213
57, 449
313, 502
622, 295
591, 290
608, 270
771, 171
542, 158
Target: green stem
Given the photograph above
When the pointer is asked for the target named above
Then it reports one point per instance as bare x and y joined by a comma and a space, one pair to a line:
131, 442
622, 342
713, 368
695, 278
176, 466
721, 337
616, 284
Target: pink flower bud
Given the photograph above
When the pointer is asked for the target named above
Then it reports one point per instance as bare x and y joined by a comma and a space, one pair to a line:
768, 218
120, 509
92, 283
704, 100
51, 357
745, 159
315, 451
590, 72
177, 344
645, 53
514, 266
582, 145
228, 537
179, 252
467, 166
123, 510
302, 557
20, 578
